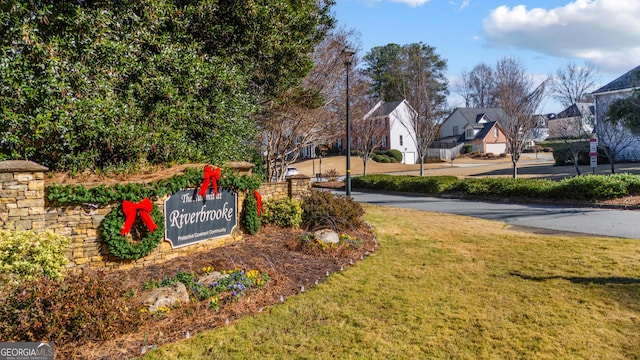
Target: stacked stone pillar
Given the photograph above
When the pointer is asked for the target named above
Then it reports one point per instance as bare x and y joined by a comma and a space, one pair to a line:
22, 194
299, 186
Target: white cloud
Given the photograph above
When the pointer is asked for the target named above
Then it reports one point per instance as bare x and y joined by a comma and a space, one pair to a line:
604, 32
463, 5
412, 3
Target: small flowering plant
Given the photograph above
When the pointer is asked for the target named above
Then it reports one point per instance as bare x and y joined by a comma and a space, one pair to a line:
309, 241
350, 242
345, 241
232, 286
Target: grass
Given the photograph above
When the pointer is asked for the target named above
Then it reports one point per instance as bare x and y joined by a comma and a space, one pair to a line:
449, 287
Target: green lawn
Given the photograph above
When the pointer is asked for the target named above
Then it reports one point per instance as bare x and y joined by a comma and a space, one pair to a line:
445, 286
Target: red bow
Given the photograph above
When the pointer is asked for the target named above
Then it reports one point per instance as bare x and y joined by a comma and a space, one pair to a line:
209, 175
130, 210
258, 201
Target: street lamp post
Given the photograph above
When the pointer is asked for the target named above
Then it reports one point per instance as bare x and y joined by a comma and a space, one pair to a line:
347, 52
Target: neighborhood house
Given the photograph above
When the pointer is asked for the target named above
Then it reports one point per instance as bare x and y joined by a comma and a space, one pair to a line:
396, 119
478, 127
617, 89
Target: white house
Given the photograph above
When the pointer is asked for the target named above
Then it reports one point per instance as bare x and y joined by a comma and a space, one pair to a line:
396, 118
619, 88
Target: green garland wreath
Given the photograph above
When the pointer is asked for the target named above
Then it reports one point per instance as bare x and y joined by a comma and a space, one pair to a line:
120, 246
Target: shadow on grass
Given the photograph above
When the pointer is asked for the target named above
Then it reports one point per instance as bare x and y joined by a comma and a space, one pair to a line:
614, 280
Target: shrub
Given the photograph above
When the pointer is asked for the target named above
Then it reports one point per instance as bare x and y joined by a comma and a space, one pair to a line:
376, 182
590, 187
84, 307
381, 158
285, 213
587, 187
25, 254
331, 174
395, 154
323, 209
561, 155
632, 182
251, 220
424, 184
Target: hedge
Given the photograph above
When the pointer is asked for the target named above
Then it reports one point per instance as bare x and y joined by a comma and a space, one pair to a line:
586, 187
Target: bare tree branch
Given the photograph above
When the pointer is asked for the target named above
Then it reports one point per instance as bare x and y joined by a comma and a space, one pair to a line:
572, 83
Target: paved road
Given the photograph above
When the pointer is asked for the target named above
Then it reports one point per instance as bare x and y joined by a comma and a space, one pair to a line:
616, 223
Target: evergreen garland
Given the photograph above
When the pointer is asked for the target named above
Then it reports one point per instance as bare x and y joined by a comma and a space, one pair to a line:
120, 246
103, 194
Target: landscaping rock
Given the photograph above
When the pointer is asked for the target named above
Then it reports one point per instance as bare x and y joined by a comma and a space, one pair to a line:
166, 296
327, 236
211, 278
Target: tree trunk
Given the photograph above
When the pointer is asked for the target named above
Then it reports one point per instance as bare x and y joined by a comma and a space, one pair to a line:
515, 168
364, 165
422, 167
575, 163
613, 171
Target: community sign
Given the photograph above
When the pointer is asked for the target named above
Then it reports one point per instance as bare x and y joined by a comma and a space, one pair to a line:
191, 218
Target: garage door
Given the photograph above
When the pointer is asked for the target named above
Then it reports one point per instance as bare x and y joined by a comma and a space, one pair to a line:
409, 158
497, 149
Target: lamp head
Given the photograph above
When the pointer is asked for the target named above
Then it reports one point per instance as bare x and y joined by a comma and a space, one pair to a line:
347, 52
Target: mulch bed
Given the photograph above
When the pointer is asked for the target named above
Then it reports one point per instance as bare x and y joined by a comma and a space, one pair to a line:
274, 250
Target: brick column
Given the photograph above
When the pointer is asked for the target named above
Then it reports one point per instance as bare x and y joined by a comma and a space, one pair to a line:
22, 194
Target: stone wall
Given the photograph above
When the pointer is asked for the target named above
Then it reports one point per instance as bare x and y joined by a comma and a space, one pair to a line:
295, 187
23, 203
22, 194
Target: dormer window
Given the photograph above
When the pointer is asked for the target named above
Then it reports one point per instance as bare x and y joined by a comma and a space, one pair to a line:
469, 134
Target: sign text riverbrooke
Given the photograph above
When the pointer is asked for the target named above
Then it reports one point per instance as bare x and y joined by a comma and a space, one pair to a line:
190, 218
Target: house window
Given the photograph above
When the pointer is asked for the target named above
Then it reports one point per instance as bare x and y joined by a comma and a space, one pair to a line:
469, 134
401, 143
495, 132
384, 141
383, 122
456, 131
339, 143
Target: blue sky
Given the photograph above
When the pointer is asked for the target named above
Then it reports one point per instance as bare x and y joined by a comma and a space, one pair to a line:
543, 34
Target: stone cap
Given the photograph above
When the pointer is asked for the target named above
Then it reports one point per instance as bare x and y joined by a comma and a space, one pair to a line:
240, 165
21, 166
298, 176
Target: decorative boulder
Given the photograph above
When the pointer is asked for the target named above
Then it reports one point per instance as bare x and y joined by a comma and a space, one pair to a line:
327, 236
166, 296
211, 278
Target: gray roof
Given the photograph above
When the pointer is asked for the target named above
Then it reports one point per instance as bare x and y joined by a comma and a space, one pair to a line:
629, 80
473, 115
485, 130
577, 109
386, 108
